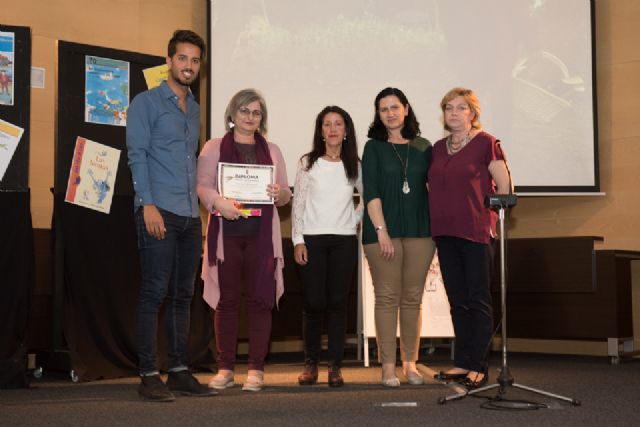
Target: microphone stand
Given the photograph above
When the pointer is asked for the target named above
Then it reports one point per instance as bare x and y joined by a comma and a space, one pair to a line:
505, 379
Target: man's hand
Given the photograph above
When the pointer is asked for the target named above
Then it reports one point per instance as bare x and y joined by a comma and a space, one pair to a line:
154, 222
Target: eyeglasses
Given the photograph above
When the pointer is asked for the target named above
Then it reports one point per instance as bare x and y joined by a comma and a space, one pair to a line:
244, 111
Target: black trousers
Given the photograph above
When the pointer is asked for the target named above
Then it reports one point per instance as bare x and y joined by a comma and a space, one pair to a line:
326, 280
466, 271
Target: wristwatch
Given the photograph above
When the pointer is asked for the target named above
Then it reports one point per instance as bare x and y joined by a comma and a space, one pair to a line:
378, 228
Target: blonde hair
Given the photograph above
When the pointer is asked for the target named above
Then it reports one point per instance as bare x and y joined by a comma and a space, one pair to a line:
243, 98
470, 98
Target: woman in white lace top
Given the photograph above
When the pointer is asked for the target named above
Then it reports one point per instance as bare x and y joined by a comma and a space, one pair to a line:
324, 237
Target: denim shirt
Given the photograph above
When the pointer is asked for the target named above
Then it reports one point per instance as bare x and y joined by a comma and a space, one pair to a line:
162, 142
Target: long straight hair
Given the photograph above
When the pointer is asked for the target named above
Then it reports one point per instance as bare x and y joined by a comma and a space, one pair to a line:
349, 151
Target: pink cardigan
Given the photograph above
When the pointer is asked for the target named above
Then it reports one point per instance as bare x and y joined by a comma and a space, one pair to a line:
208, 193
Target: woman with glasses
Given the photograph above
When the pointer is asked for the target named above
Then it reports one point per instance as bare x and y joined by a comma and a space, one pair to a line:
395, 232
243, 253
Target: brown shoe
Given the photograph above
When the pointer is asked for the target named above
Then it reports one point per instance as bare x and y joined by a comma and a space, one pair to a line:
335, 377
309, 376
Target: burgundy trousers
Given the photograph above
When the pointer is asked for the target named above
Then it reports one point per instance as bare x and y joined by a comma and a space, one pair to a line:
235, 274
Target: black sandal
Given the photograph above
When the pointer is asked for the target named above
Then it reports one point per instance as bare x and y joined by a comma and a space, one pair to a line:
444, 376
472, 384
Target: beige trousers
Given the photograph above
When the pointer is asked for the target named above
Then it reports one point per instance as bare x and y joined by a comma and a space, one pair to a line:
398, 287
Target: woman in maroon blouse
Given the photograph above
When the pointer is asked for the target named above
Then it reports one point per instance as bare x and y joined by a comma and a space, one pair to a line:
467, 165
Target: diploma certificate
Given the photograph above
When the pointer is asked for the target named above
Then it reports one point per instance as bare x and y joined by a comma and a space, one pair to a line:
245, 183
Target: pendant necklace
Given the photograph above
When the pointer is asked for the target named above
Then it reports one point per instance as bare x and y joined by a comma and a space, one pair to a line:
405, 186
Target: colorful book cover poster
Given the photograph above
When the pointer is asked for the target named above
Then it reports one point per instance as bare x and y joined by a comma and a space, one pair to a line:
155, 75
106, 91
92, 176
9, 138
7, 43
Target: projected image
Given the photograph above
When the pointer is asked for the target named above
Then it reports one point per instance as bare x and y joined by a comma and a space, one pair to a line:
529, 61
544, 87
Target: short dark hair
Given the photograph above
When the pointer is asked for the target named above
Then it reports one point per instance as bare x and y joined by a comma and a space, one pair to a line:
349, 151
186, 36
377, 130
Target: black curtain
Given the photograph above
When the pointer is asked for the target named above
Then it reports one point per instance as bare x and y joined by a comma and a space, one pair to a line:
16, 283
16, 232
102, 276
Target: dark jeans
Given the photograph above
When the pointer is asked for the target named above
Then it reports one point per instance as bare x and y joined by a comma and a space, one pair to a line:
326, 280
168, 270
466, 271
235, 275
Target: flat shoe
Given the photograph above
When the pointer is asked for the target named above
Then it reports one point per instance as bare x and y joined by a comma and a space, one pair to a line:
222, 381
391, 382
414, 378
253, 383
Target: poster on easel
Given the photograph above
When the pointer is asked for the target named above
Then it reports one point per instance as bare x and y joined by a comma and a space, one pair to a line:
7, 70
106, 91
435, 304
154, 76
436, 318
9, 139
92, 175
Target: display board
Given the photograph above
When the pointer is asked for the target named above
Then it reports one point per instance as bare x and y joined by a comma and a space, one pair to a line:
530, 62
95, 86
96, 256
15, 105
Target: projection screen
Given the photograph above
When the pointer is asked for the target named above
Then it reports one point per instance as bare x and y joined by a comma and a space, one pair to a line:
530, 62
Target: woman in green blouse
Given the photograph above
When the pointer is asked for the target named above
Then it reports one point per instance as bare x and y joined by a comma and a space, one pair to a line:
396, 234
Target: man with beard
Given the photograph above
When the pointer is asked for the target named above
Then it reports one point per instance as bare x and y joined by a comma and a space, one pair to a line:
163, 131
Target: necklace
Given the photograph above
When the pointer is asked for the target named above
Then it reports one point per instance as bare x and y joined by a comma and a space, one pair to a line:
405, 185
332, 157
453, 150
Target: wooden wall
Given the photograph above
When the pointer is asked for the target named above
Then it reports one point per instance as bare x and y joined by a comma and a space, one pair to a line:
146, 25
137, 25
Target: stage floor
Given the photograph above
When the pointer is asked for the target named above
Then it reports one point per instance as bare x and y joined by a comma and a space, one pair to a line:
609, 395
